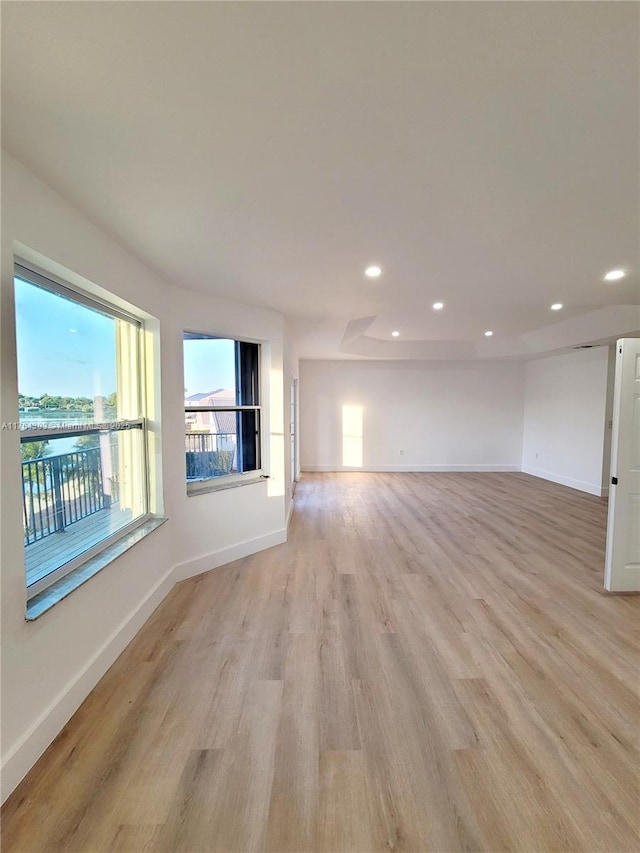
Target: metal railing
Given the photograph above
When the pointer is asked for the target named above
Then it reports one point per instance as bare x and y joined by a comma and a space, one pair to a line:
210, 454
60, 490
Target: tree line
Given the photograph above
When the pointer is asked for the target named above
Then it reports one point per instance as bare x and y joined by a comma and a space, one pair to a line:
75, 404
30, 450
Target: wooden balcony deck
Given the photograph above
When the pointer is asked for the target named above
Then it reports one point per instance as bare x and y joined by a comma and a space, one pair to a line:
47, 554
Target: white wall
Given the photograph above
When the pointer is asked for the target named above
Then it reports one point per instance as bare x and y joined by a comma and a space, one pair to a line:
49, 666
565, 419
443, 415
291, 373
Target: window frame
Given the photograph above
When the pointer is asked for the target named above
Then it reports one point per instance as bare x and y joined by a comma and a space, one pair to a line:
48, 281
235, 478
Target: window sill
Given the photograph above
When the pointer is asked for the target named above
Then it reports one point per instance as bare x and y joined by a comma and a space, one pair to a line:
203, 487
49, 597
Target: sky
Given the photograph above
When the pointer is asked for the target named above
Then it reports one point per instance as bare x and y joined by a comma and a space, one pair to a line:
64, 348
209, 364
68, 349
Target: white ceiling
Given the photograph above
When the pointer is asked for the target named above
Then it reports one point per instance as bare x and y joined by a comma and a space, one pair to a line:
485, 154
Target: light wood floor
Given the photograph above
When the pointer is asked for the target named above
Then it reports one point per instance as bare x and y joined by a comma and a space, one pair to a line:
429, 664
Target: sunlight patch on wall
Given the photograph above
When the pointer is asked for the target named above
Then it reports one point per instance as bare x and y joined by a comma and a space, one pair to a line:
352, 420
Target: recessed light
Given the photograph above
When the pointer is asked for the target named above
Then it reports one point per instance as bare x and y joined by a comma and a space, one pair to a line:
395, 334
373, 272
438, 306
488, 334
615, 275
556, 306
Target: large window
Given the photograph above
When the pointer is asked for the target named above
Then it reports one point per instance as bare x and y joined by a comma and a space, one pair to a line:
221, 409
82, 429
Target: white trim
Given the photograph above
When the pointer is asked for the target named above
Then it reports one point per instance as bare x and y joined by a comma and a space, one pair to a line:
590, 488
227, 555
32, 274
28, 749
289, 513
409, 468
27, 433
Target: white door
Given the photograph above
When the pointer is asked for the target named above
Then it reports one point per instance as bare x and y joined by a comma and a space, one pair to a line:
622, 570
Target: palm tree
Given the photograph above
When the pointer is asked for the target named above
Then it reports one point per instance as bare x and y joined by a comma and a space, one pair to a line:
30, 450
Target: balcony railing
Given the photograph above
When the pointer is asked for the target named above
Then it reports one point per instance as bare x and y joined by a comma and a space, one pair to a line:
210, 454
60, 490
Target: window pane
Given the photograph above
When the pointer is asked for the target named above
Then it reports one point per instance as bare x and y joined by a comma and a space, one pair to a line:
76, 365
211, 454
229, 445
248, 356
249, 450
209, 371
220, 373
77, 491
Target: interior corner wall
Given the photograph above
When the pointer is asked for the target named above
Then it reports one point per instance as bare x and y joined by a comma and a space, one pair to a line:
416, 415
50, 665
565, 418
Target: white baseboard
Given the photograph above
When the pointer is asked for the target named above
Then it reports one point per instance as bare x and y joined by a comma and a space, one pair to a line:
404, 469
197, 566
590, 488
24, 754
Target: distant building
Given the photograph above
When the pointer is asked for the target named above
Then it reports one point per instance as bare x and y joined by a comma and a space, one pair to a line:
218, 423
210, 437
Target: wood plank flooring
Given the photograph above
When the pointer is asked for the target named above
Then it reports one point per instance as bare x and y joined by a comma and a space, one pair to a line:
429, 664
